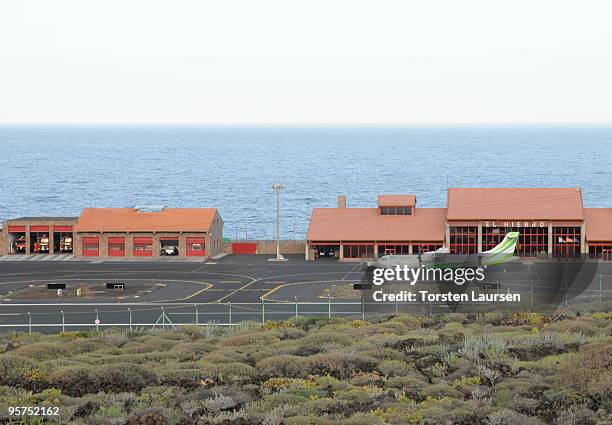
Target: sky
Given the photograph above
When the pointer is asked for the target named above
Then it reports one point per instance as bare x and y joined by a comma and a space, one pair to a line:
305, 62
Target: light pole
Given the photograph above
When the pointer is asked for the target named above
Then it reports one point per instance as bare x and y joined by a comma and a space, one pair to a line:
278, 187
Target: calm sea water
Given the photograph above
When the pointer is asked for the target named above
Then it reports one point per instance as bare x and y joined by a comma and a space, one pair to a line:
60, 170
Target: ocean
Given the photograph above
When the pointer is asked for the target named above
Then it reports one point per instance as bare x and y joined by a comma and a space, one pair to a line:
58, 170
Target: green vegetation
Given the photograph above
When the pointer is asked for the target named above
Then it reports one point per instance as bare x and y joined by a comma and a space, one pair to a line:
489, 369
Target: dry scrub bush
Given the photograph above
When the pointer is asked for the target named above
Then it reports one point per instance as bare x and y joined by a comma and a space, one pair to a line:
13, 369
591, 372
391, 368
510, 417
282, 365
42, 351
261, 338
228, 372
77, 381
339, 364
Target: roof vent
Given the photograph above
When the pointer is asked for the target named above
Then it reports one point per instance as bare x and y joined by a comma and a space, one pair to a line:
149, 208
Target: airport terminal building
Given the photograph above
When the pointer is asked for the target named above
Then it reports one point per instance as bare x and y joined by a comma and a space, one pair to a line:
551, 222
118, 232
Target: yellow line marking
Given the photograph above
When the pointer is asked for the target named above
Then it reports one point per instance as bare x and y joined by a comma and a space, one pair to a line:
264, 297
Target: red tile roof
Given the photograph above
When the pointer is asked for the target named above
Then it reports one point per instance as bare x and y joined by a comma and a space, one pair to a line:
365, 224
132, 220
598, 222
515, 203
396, 200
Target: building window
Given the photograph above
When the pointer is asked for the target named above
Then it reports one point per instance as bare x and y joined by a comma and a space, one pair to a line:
358, 251
601, 251
532, 241
393, 249
423, 248
463, 239
395, 210
566, 242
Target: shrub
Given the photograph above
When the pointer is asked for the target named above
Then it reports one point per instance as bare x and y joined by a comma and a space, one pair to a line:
283, 365
339, 364
510, 417
591, 372
186, 378
252, 338
80, 380
313, 344
228, 372
394, 368
42, 351
439, 391
13, 368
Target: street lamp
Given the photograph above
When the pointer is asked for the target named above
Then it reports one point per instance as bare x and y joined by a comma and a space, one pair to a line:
278, 187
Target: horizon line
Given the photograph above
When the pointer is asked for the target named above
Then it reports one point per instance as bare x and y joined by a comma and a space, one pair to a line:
310, 124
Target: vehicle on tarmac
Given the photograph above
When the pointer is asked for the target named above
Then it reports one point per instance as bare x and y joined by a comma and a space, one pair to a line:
442, 258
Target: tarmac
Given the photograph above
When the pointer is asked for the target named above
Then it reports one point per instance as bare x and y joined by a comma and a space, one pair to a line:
222, 290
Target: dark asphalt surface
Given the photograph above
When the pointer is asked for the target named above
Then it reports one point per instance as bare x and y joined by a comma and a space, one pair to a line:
221, 291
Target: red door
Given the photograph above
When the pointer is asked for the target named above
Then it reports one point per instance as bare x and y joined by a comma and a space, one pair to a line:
244, 248
143, 247
116, 247
196, 247
91, 247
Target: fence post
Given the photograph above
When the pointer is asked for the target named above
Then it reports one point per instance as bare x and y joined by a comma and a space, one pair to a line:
63, 321
296, 306
97, 321
263, 311
197, 314
130, 311
230, 313
163, 317
328, 307
600, 289
29, 322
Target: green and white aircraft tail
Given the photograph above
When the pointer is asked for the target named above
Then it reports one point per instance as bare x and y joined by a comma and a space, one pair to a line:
501, 253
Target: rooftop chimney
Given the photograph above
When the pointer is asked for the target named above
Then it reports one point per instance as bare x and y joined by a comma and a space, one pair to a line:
341, 201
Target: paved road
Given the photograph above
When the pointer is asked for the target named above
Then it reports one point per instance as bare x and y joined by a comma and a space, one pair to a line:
226, 290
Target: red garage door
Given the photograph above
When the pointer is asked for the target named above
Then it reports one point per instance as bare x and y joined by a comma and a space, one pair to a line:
244, 248
62, 228
196, 247
143, 247
116, 247
16, 229
39, 229
91, 247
